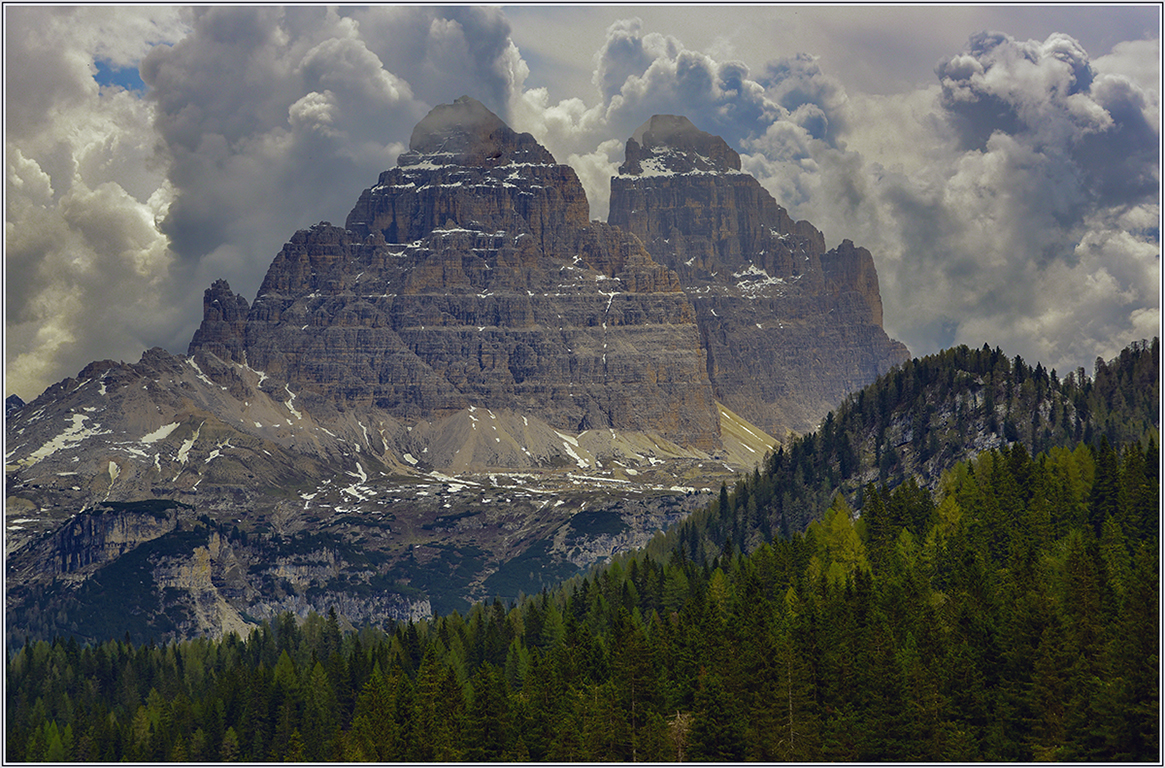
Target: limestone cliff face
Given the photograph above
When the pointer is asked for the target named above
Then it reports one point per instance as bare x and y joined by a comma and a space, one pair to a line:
466, 166
470, 276
89, 541
788, 327
224, 316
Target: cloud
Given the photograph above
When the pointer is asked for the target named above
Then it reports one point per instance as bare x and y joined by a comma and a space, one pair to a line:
815, 100
1010, 206
1048, 93
263, 103
86, 270
445, 53
1022, 179
992, 198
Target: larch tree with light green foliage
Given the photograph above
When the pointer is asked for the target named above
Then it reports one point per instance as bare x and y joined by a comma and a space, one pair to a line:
839, 550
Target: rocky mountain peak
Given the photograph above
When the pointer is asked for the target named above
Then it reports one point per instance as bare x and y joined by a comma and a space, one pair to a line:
471, 276
12, 404
467, 133
467, 169
672, 144
788, 327
224, 320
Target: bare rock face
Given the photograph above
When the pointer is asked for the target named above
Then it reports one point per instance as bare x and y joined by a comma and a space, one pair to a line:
224, 315
789, 328
686, 148
470, 276
465, 165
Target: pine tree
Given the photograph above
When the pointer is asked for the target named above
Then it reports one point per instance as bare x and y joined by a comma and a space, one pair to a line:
717, 732
489, 717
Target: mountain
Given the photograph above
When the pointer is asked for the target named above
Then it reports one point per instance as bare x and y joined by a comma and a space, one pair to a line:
12, 404
468, 390
470, 276
789, 328
913, 424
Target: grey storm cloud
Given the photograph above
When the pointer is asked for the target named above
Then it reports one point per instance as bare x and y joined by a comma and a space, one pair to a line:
1048, 95
815, 100
1051, 158
627, 53
445, 52
641, 74
1074, 142
245, 99
1012, 199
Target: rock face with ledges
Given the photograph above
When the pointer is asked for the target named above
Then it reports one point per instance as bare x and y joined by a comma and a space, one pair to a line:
470, 276
466, 167
467, 378
224, 317
788, 327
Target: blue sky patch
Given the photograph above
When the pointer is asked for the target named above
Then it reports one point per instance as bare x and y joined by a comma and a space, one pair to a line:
127, 77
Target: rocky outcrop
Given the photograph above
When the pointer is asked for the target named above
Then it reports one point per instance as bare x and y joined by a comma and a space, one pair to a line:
467, 168
692, 150
788, 327
12, 405
224, 317
90, 540
470, 276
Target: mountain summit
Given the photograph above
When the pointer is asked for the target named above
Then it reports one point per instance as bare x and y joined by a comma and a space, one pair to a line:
672, 144
470, 276
467, 133
788, 327
470, 389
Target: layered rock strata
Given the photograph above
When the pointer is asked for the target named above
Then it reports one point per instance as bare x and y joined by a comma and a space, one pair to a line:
470, 276
788, 327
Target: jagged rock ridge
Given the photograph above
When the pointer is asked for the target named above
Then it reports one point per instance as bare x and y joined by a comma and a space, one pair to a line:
788, 327
470, 275
358, 418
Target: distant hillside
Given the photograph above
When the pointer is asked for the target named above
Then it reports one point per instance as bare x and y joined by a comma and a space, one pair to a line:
919, 420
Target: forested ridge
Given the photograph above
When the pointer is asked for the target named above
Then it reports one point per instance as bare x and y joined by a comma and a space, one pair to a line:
919, 420
1009, 614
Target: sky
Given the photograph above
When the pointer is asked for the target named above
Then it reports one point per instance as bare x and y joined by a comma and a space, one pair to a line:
1001, 163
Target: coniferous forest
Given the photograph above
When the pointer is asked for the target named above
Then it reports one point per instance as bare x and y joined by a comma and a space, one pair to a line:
1009, 614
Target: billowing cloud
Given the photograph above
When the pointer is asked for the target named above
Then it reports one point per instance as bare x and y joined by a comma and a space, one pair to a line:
446, 52
1016, 185
86, 270
1049, 95
1010, 199
1014, 205
263, 103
